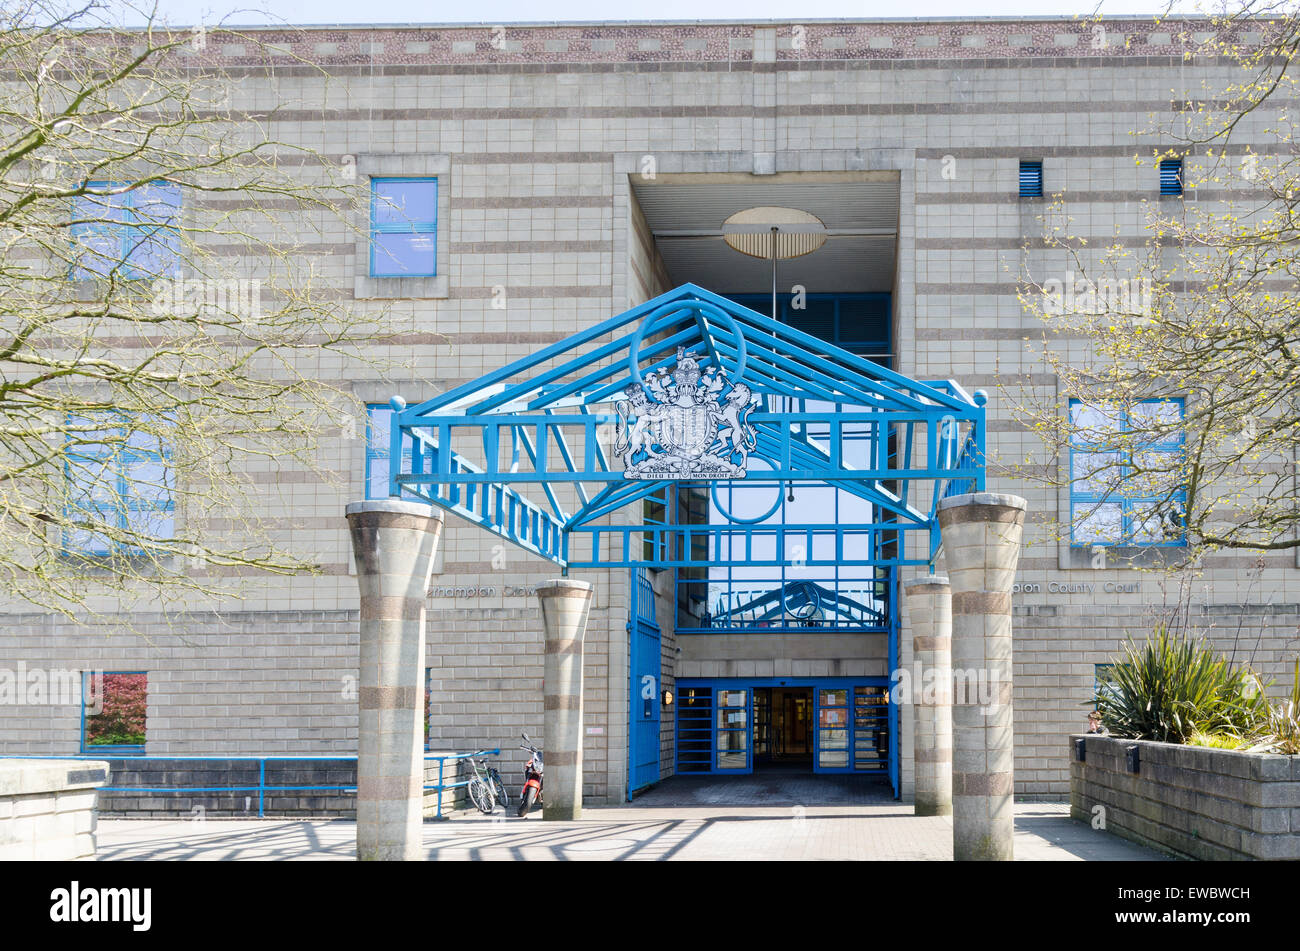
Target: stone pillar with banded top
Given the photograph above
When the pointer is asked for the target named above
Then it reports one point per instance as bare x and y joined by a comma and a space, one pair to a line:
394, 543
564, 607
929, 608
981, 548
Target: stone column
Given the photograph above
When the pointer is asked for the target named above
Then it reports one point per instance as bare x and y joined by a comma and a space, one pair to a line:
564, 607
981, 547
394, 543
929, 606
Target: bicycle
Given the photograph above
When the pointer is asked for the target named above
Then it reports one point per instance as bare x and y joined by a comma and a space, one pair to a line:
486, 788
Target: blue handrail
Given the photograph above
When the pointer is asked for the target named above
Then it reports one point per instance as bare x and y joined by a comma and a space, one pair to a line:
261, 788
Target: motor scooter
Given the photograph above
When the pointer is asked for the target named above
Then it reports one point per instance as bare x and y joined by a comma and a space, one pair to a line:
532, 791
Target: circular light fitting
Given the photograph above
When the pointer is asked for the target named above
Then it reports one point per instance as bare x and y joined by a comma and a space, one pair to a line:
752, 232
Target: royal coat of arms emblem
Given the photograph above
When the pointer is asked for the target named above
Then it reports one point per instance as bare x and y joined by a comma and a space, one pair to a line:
679, 425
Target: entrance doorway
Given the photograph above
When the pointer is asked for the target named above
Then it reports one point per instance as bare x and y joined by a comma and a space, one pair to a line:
783, 731
733, 726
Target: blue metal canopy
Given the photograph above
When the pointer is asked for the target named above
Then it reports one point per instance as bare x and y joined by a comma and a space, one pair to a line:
526, 451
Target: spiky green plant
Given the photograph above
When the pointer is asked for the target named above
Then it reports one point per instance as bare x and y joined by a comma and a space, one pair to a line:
1280, 731
1171, 688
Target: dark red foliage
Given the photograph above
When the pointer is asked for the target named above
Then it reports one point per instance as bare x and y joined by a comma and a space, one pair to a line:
123, 716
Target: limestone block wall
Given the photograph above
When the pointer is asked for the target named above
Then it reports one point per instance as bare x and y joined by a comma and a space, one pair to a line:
533, 141
47, 809
1206, 804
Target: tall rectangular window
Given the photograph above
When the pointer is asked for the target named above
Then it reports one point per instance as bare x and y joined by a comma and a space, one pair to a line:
1101, 680
403, 227
131, 234
379, 422
1031, 179
1115, 486
118, 486
1171, 177
114, 711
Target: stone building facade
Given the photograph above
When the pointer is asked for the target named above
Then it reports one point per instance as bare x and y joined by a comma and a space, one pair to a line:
574, 165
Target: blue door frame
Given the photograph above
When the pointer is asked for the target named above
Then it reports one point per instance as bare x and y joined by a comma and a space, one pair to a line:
645, 666
699, 721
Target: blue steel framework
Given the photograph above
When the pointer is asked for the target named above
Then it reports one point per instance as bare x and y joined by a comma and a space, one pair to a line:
539, 423
541, 426
644, 685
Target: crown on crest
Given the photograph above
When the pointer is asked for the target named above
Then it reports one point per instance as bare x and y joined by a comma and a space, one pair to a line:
687, 371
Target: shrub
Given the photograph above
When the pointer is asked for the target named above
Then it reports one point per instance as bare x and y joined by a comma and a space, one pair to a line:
1218, 741
122, 718
1169, 689
1280, 731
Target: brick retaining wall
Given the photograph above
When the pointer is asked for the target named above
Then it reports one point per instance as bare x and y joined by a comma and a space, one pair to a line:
1197, 802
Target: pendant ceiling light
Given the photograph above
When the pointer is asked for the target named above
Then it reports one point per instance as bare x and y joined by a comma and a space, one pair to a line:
775, 234
753, 230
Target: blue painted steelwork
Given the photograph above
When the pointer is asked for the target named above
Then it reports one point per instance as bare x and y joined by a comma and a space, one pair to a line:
895, 762
645, 667
261, 788
558, 405
802, 605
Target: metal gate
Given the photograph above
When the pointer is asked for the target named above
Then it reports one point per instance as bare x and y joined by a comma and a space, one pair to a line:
646, 664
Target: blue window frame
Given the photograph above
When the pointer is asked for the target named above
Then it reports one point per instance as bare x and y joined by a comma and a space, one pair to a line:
1110, 503
858, 323
403, 227
1031, 179
1100, 674
1171, 177
118, 481
732, 734
379, 418
132, 234
90, 699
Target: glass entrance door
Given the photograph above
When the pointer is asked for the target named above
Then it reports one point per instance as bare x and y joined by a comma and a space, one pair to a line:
832, 728
824, 725
791, 724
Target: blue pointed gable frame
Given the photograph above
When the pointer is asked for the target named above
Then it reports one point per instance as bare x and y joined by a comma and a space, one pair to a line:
565, 497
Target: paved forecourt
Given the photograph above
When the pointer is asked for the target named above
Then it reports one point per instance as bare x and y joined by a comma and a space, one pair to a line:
882, 831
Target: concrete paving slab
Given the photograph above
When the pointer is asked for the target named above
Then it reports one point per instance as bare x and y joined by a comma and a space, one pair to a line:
686, 818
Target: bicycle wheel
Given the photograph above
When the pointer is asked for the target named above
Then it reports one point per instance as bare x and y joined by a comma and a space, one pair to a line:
499, 789
480, 793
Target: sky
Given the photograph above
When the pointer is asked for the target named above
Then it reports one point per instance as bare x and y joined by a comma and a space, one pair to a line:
306, 12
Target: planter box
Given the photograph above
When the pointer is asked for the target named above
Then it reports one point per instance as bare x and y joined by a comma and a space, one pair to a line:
1193, 801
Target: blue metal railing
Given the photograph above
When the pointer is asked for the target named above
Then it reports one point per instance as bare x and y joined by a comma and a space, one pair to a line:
262, 788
